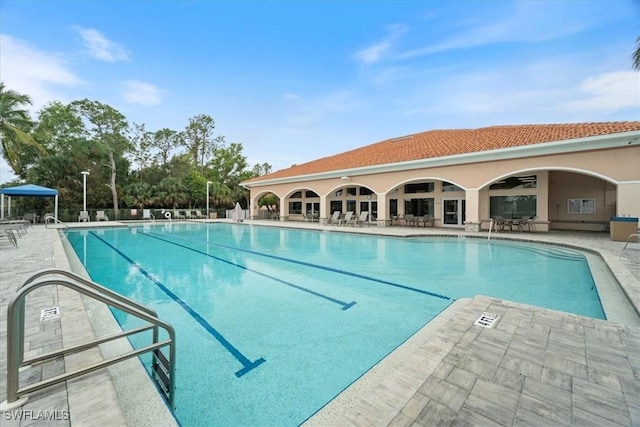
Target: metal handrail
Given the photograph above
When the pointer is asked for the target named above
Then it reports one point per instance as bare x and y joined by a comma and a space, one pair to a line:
92, 285
15, 336
49, 219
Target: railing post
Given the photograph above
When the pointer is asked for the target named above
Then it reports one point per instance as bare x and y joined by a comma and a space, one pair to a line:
15, 353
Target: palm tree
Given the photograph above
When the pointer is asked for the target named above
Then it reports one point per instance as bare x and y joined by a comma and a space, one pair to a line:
636, 55
14, 123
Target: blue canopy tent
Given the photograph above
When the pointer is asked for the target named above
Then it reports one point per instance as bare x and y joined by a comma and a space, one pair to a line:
28, 190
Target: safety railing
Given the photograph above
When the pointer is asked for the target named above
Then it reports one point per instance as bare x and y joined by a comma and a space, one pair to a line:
53, 220
163, 367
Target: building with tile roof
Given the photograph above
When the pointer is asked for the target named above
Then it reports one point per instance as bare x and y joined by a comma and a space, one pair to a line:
567, 176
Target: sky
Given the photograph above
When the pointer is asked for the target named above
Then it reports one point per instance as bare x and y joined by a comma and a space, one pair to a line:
293, 81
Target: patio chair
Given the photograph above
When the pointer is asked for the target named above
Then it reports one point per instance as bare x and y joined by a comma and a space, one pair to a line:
100, 216
427, 220
499, 222
146, 214
359, 219
83, 217
408, 220
335, 218
177, 214
198, 214
187, 215
523, 222
346, 219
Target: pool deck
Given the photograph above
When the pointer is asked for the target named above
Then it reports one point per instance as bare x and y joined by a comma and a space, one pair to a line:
532, 367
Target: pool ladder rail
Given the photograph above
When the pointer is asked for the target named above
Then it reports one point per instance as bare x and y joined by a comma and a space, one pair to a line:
163, 366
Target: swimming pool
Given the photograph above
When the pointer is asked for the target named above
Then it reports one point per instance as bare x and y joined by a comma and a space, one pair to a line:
273, 323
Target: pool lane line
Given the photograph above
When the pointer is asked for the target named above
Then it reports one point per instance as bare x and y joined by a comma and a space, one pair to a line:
247, 365
345, 305
322, 267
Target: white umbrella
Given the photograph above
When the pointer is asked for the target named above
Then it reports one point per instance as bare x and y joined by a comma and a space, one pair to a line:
237, 213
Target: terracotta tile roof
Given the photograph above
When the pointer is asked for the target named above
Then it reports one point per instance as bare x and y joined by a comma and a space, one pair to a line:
440, 143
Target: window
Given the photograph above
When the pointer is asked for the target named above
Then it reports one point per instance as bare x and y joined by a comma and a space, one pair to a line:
295, 208
513, 206
351, 205
336, 205
581, 206
393, 207
447, 186
529, 181
296, 195
313, 207
311, 194
339, 193
421, 187
351, 191
419, 207
364, 191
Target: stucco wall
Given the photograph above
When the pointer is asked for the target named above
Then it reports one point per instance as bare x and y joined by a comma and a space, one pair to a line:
611, 176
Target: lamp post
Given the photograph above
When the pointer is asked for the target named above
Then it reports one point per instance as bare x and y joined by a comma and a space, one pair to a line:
208, 182
84, 189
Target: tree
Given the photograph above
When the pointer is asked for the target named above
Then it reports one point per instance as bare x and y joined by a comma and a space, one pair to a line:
636, 55
199, 141
157, 146
261, 169
15, 124
109, 133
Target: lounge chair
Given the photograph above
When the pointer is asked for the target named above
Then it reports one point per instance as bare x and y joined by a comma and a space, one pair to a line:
9, 236
198, 215
83, 217
335, 218
100, 216
347, 218
146, 214
177, 214
187, 215
359, 219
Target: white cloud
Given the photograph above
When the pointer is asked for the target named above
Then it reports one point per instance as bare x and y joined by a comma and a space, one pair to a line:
524, 21
34, 72
378, 51
608, 92
100, 47
142, 93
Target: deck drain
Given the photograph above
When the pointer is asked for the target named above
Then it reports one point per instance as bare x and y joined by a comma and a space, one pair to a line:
50, 314
486, 320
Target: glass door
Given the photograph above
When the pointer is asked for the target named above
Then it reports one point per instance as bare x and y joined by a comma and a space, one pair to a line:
453, 212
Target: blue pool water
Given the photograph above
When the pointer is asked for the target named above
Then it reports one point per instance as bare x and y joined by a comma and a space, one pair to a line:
273, 323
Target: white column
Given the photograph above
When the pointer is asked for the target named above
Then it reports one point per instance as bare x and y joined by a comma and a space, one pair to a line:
383, 214
323, 208
284, 209
472, 214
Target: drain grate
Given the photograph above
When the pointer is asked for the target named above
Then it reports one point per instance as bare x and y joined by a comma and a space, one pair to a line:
486, 320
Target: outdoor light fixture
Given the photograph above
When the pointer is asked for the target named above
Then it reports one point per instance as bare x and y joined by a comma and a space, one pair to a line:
84, 189
345, 178
208, 182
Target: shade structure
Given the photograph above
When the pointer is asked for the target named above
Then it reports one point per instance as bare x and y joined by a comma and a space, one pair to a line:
27, 190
